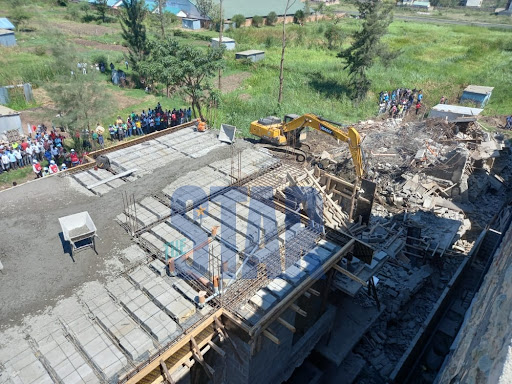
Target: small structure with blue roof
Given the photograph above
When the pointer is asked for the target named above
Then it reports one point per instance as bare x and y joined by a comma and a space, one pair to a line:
6, 24
477, 94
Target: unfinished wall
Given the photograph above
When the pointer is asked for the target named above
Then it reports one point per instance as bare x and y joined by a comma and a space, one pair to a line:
272, 363
483, 350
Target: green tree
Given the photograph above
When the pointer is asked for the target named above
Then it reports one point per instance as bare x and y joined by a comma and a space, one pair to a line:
187, 67
257, 21
299, 17
205, 7
367, 46
82, 100
160, 5
134, 32
239, 20
271, 18
334, 36
102, 9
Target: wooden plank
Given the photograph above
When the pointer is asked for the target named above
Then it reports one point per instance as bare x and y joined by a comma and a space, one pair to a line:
314, 292
113, 177
166, 373
216, 348
350, 275
271, 337
143, 371
296, 308
286, 324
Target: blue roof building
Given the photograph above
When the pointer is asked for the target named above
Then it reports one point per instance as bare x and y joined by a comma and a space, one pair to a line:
6, 24
477, 94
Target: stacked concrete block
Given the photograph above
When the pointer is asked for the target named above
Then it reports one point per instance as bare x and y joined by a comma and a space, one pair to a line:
143, 217
150, 238
60, 354
103, 174
155, 207
85, 179
199, 146
262, 300
170, 236
250, 314
279, 288
21, 366
131, 338
161, 291
143, 310
293, 275
98, 348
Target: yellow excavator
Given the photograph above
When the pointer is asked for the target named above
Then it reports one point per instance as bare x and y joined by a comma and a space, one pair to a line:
288, 133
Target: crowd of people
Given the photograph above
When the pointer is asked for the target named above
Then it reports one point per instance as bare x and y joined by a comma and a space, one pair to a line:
144, 123
44, 148
398, 102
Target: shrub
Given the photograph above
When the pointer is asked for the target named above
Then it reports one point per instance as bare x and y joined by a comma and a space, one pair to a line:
271, 18
62, 3
257, 21
299, 17
40, 50
239, 20
334, 36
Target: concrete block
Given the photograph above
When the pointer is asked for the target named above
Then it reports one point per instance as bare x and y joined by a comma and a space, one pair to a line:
293, 274
262, 300
279, 288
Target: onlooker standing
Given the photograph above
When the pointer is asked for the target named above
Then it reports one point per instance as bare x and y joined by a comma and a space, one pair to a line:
6, 164
12, 159
37, 169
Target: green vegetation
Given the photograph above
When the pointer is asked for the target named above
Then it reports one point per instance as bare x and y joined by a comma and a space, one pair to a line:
367, 47
257, 21
271, 18
239, 20
441, 60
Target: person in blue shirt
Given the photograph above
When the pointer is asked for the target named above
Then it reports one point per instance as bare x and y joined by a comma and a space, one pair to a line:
420, 96
12, 159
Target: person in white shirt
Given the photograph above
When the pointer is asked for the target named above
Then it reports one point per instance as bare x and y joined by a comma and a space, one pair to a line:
5, 161
29, 151
53, 167
19, 157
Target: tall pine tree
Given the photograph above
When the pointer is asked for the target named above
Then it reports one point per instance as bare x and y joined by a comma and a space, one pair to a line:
367, 46
134, 31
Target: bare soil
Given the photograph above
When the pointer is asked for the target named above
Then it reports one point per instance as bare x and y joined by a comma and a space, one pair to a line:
232, 82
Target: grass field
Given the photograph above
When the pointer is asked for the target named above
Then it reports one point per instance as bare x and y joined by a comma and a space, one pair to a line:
441, 60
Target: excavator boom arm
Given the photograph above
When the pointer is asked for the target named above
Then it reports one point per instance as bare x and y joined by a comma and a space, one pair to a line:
352, 137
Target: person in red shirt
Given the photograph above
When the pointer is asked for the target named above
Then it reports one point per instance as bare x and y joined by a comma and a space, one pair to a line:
24, 145
74, 158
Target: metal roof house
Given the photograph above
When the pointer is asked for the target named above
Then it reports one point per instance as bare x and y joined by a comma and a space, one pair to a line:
9, 120
180, 8
452, 112
250, 8
7, 38
193, 24
6, 24
477, 94
253, 54
226, 42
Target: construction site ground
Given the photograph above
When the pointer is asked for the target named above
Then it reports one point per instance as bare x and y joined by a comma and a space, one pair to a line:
420, 230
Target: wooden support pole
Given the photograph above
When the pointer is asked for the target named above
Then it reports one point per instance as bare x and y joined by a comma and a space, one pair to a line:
296, 308
286, 324
216, 348
314, 292
198, 357
271, 337
351, 275
166, 374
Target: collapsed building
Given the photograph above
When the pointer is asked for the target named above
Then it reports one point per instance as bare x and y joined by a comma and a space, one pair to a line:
246, 267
